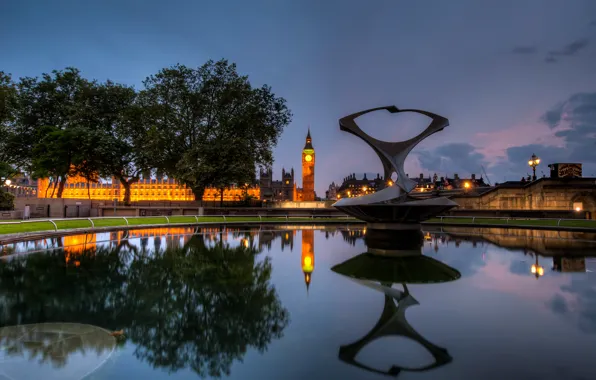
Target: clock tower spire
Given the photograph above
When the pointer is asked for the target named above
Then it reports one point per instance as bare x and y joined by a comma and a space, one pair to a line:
308, 170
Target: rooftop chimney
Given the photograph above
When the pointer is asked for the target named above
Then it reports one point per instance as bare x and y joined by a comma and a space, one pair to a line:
473, 176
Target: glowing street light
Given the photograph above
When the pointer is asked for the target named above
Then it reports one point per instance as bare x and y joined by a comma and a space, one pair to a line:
467, 185
533, 162
390, 183
536, 269
8, 182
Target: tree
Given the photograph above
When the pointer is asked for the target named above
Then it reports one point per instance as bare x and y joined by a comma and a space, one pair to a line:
8, 109
49, 123
195, 110
120, 142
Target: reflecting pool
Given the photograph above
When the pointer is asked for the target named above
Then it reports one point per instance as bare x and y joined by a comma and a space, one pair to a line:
291, 302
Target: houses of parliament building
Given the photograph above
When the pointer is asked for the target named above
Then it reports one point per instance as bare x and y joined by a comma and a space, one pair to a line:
168, 189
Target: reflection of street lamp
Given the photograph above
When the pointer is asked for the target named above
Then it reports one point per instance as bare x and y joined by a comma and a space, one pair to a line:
536, 269
534, 161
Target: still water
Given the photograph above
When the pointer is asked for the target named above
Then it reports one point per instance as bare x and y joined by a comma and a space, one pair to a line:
298, 303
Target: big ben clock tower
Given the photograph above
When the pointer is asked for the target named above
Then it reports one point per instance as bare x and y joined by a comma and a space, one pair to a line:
308, 170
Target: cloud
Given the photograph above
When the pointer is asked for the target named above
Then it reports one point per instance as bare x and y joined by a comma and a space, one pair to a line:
585, 306
573, 122
524, 50
558, 304
519, 267
461, 158
568, 50
550, 59
568, 135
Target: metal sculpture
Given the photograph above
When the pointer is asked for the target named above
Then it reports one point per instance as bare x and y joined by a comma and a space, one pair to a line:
393, 154
392, 206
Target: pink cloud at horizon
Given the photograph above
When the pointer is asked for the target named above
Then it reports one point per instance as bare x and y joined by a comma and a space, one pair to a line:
494, 145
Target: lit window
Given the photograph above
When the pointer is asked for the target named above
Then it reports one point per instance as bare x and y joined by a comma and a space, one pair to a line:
578, 206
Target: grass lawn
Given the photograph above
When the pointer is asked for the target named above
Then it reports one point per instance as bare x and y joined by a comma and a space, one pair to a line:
518, 222
62, 224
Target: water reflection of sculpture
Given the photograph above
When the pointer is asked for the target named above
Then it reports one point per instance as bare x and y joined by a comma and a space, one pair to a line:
175, 305
379, 269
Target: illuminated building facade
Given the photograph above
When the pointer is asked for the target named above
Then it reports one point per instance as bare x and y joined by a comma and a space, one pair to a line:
354, 187
286, 189
308, 170
143, 190
308, 255
160, 189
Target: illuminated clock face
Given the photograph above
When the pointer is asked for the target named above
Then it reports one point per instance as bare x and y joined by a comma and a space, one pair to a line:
308, 158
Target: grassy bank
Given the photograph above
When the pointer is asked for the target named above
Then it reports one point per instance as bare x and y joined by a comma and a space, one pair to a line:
497, 222
63, 224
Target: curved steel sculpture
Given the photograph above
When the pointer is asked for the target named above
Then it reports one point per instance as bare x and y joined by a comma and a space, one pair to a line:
391, 207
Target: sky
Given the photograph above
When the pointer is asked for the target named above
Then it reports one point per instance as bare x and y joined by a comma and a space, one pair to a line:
513, 77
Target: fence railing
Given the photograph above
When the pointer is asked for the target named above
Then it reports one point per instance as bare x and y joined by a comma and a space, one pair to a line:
133, 221
514, 220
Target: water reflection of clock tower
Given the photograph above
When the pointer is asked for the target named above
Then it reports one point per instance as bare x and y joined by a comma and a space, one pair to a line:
308, 170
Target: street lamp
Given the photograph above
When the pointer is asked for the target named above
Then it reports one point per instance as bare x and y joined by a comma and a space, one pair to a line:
536, 269
534, 161
8, 182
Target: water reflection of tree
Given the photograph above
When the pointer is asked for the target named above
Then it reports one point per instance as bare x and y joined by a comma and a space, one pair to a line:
192, 307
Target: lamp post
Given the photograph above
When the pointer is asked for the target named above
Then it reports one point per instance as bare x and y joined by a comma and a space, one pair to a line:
534, 161
536, 269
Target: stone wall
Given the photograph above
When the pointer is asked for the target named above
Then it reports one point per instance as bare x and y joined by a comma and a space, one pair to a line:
56, 208
314, 204
544, 194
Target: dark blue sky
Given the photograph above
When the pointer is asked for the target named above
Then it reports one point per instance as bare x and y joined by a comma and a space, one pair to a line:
514, 77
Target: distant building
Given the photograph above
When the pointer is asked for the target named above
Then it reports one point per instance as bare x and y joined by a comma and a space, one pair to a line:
564, 194
354, 187
331, 193
284, 190
308, 171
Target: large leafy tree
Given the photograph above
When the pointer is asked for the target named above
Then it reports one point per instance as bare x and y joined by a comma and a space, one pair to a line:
120, 138
8, 109
200, 116
49, 122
